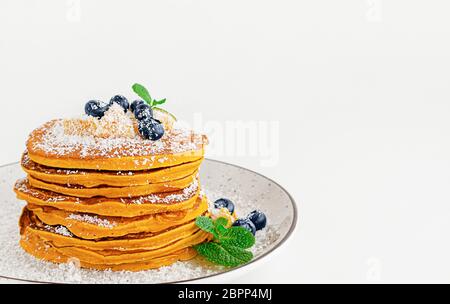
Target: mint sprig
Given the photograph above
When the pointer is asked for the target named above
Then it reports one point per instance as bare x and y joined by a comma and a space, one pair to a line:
206, 224
159, 102
225, 255
228, 246
142, 92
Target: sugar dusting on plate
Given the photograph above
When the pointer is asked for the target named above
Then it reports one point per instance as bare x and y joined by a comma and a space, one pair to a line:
14, 262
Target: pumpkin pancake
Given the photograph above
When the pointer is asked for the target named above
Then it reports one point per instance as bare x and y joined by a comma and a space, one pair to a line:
51, 146
114, 192
45, 250
123, 207
94, 178
90, 226
114, 257
61, 236
42, 244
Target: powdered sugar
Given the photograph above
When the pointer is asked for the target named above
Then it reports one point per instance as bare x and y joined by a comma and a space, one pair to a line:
185, 194
16, 263
21, 185
92, 219
163, 198
59, 230
52, 139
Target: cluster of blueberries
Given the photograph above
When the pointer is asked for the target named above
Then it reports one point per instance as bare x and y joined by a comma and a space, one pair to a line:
149, 127
255, 221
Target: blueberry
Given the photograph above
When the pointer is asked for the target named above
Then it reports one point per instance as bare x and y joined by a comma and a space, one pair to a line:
224, 203
143, 112
136, 103
258, 218
121, 101
247, 224
151, 128
95, 108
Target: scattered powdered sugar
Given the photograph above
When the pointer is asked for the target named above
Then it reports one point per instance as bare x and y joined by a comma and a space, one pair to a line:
29, 164
21, 185
92, 219
185, 194
59, 230
264, 239
201, 194
163, 198
115, 123
113, 136
15, 263
120, 173
26, 161
69, 172
162, 159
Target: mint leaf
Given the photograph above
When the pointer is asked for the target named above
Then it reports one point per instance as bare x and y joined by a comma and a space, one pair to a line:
225, 255
221, 221
206, 224
237, 237
142, 92
220, 229
159, 102
243, 255
229, 244
220, 226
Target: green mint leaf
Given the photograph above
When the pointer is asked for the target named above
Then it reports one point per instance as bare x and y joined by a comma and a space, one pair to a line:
220, 227
159, 102
237, 237
225, 255
243, 255
206, 224
142, 92
221, 221
221, 230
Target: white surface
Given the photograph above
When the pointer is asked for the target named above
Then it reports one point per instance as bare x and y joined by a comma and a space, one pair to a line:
360, 90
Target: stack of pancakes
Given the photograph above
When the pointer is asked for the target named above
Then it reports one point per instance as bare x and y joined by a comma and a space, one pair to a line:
111, 203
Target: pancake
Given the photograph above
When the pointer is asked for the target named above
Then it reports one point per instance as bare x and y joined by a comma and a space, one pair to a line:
114, 257
89, 226
50, 146
124, 207
46, 251
95, 178
58, 248
114, 192
61, 236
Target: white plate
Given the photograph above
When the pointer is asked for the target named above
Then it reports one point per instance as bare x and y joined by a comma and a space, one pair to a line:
249, 190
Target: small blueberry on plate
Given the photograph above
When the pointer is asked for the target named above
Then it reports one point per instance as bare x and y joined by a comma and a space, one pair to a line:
95, 108
258, 218
136, 103
245, 223
121, 101
224, 203
143, 112
151, 129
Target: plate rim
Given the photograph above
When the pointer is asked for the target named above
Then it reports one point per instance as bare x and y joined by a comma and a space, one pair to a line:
232, 270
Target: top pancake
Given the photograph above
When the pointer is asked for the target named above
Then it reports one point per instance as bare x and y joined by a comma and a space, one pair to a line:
49, 145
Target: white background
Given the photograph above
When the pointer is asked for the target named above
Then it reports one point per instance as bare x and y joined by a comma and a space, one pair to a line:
360, 89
